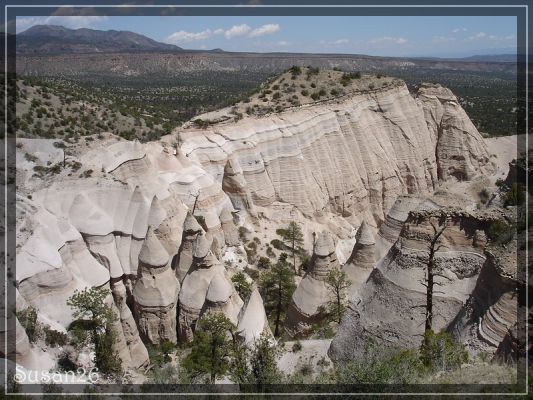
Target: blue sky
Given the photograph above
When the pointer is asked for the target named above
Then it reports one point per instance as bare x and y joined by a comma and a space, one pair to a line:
384, 36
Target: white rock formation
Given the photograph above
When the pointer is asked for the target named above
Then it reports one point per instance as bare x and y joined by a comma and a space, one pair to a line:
122, 223
362, 260
358, 153
312, 293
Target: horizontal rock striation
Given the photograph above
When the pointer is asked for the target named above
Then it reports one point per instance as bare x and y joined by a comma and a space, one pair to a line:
356, 154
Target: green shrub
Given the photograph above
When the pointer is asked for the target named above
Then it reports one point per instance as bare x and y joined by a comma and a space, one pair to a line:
440, 352
295, 70
277, 244
516, 196
263, 262
243, 287
30, 157
500, 232
28, 320
381, 366
54, 338
305, 92
296, 347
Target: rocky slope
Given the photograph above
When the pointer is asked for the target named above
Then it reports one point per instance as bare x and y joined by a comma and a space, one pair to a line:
152, 222
467, 286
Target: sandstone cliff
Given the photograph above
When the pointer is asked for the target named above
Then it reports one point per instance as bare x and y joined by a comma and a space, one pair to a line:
356, 154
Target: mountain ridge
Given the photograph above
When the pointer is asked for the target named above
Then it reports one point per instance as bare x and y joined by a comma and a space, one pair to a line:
56, 39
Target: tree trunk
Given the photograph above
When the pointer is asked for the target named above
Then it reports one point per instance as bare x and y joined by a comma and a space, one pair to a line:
278, 310
429, 291
294, 254
213, 361
338, 306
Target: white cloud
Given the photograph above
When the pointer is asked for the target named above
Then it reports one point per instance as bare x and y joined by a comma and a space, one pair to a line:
185, 37
282, 43
456, 30
341, 41
388, 39
265, 30
73, 22
218, 31
477, 36
237, 30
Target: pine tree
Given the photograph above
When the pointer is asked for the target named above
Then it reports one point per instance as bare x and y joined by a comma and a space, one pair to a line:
90, 305
211, 347
263, 362
277, 286
293, 238
337, 283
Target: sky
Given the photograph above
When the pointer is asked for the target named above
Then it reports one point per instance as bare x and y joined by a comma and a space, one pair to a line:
439, 36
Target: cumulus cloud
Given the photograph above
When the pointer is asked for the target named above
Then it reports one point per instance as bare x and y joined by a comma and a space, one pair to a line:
265, 30
237, 30
457, 30
73, 22
388, 39
185, 37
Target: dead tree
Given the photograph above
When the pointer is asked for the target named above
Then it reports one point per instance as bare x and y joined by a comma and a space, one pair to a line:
431, 269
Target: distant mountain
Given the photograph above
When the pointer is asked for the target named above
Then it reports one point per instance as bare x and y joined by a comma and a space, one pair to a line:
53, 39
492, 58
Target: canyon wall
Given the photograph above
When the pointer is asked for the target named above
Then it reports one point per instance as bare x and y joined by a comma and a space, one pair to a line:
356, 154
151, 222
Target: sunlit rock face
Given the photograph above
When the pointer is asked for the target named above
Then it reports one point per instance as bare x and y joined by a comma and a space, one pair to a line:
460, 150
354, 155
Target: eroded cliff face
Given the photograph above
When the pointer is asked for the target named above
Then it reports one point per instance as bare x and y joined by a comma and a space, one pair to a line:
130, 227
459, 151
356, 155
390, 306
